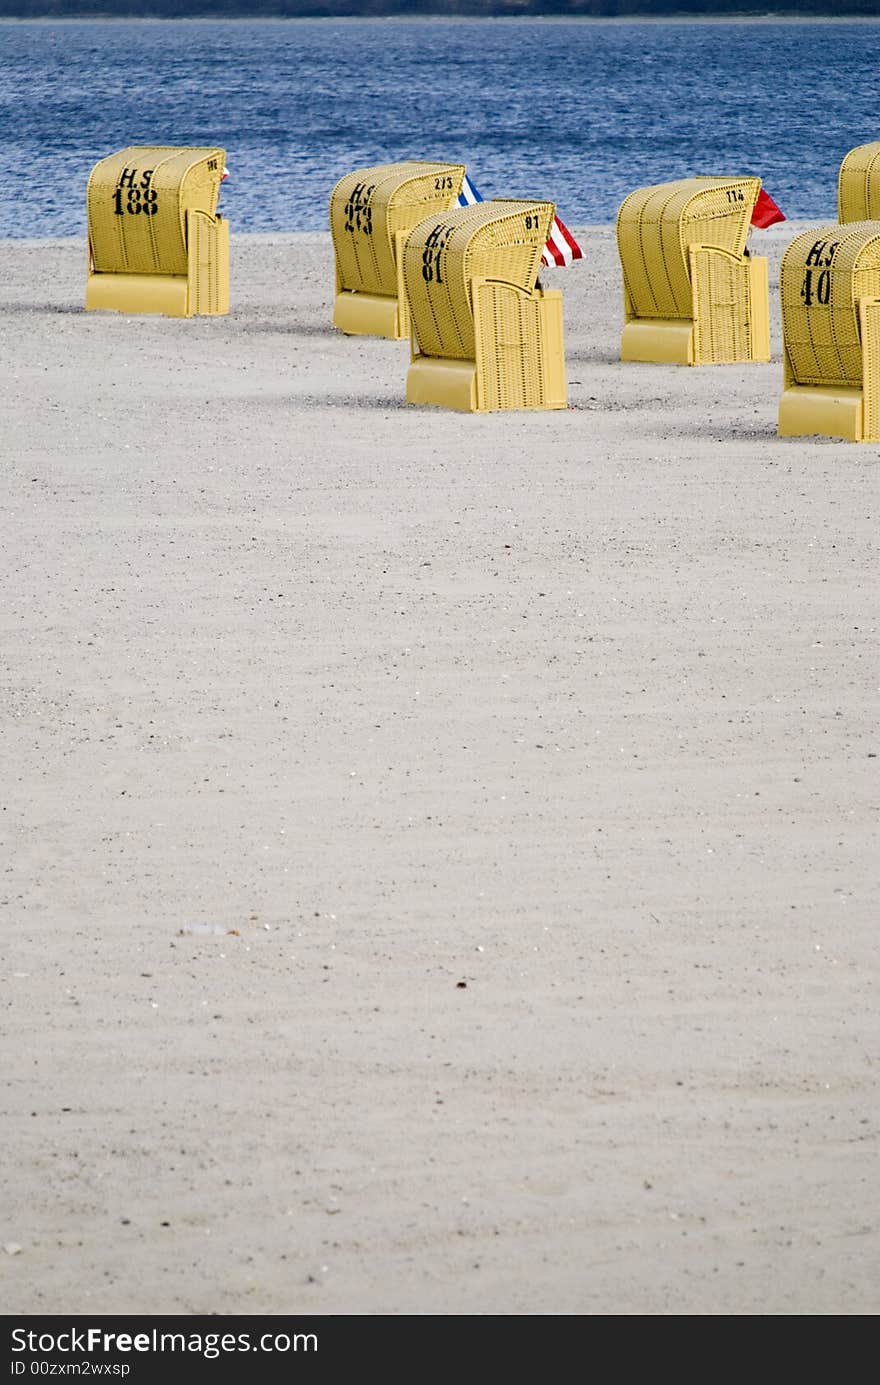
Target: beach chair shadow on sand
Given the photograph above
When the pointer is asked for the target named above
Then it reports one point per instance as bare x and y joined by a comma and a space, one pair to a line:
692, 293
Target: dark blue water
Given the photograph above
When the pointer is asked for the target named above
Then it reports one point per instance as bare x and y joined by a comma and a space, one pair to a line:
577, 111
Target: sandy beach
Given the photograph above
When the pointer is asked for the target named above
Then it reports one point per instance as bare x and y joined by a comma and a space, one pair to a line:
439, 852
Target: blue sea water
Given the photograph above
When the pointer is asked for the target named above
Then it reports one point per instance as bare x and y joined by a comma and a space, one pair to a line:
577, 111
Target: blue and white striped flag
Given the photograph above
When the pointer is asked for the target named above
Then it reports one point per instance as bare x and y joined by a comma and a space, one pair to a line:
468, 195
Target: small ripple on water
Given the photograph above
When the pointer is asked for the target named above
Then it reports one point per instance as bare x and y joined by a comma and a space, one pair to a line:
572, 110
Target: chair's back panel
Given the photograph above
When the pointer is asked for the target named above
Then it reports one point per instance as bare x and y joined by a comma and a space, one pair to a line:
369, 206
137, 203
499, 240
858, 185
657, 225
824, 273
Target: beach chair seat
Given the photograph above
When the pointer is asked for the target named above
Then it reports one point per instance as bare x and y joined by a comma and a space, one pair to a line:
858, 185
372, 211
484, 337
830, 287
156, 241
692, 295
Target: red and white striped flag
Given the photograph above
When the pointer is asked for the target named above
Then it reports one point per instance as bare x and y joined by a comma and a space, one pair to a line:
561, 248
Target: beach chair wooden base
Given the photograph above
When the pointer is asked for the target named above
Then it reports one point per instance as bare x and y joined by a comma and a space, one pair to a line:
370, 315
827, 411
653, 340
138, 293
448, 383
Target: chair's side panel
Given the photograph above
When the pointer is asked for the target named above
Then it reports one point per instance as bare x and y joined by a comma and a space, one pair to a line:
654, 264
436, 291
759, 307
628, 313
638, 295
869, 315
722, 332
351, 229
664, 255
403, 326
498, 332
520, 360
552, 347
674, 270
208, 264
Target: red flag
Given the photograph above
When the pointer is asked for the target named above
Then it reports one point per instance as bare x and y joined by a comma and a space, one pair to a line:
766, 212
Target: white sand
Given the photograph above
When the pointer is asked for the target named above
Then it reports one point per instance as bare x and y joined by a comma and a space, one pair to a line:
579, 708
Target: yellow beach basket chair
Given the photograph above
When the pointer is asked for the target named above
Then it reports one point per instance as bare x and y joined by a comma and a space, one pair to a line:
858, 185
156, 242
483, 336
830, 286
372, 211
692, 296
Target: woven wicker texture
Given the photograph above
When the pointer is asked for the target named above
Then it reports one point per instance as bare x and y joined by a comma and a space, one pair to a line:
520, 359
208, 264
858, 185
657, 225
492, 240
137, 203
722, 307
369, 205
824, 274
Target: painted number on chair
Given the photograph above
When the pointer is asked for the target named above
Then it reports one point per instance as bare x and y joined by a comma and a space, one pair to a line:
432, 254
358, 211
816, 287
735, 195
533, 223
443, 184
134, 194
